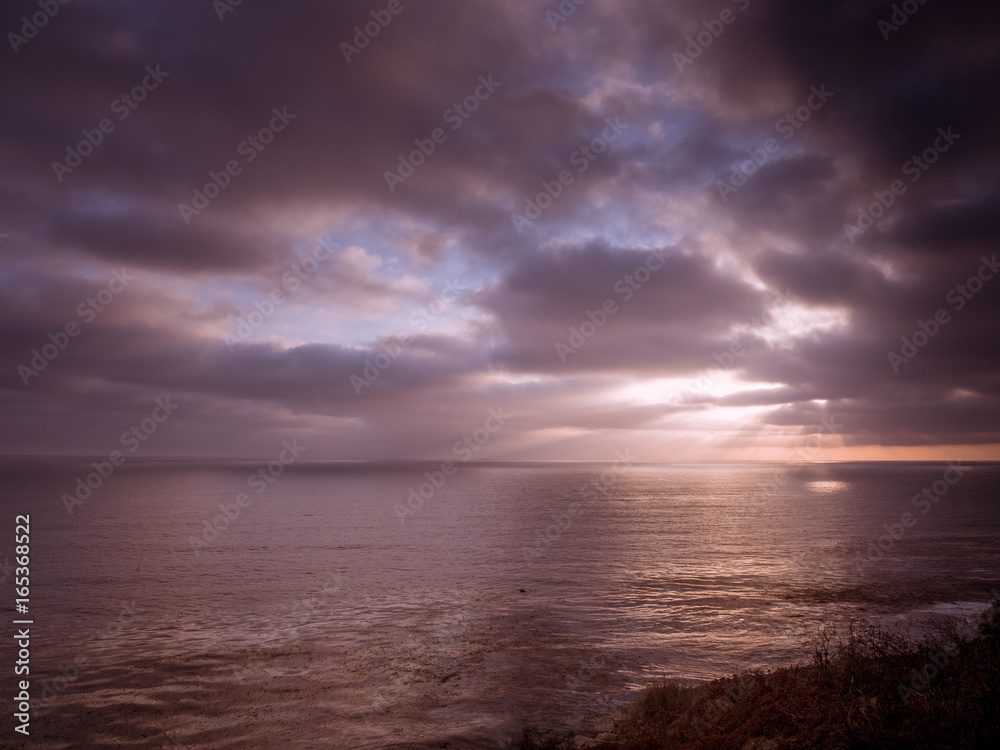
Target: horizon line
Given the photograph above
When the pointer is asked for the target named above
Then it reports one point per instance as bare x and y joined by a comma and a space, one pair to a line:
97, 457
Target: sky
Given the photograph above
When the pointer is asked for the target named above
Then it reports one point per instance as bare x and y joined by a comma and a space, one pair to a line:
694, 231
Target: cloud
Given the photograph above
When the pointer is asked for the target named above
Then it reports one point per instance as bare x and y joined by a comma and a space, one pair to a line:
767, 268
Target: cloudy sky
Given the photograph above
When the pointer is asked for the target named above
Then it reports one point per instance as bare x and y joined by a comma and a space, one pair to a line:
693, 230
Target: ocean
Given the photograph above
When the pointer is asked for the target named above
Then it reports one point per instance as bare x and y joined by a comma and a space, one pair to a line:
410, 605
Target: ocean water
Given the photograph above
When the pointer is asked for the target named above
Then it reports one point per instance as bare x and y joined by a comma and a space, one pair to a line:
329, 613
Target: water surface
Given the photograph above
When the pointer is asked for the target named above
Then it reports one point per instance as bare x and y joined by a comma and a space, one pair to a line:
325, 616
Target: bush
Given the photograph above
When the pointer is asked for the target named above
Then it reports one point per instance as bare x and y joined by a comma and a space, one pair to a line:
868, 689
532, 739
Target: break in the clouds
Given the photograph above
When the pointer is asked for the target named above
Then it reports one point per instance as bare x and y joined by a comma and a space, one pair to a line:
695, 230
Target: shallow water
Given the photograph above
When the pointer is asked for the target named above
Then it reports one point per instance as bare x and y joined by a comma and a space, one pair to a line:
319, 618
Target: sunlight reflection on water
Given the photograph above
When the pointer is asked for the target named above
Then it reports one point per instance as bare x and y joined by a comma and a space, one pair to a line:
827, 486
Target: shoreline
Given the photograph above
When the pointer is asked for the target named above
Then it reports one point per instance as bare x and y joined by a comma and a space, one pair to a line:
869, 688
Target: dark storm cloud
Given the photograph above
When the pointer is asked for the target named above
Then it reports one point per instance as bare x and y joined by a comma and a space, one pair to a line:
671, 310
352, 121
656, 187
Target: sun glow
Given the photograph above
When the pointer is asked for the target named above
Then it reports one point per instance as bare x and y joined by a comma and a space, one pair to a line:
701, 387
789, 321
